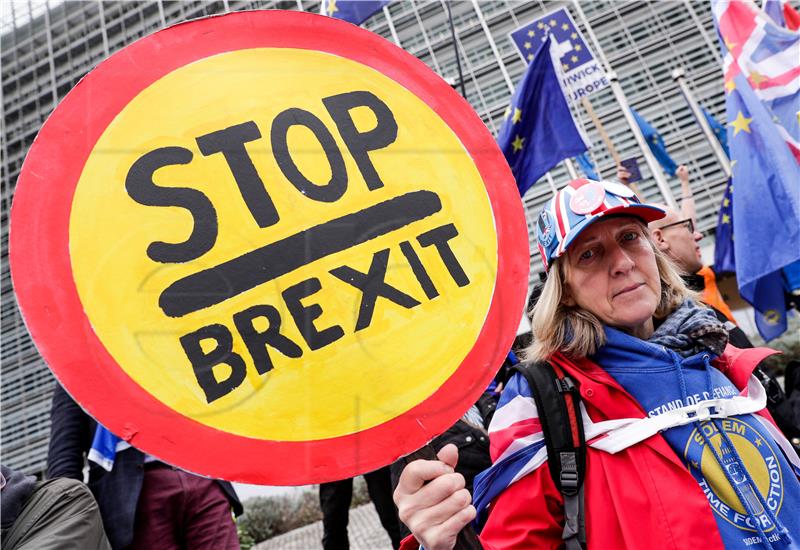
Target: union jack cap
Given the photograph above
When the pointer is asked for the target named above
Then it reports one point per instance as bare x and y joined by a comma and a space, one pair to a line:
577, 206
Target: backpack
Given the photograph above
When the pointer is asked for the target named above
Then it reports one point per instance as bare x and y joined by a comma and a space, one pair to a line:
558, 403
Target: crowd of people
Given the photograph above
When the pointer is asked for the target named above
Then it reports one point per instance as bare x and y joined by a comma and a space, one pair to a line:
683, 436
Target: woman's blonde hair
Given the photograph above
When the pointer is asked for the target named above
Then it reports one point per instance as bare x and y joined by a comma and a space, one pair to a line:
578, 333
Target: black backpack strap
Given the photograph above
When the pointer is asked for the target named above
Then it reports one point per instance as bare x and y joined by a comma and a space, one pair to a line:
558, 403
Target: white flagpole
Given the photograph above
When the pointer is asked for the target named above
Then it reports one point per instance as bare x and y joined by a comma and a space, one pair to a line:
570, 166
551, 182
492, 45
395, 38
722, 158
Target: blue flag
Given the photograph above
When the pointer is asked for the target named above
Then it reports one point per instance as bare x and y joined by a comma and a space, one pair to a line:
724, 257
352, 11
791, 275
766, 166
586, 165
719, 131
766, 209
539, 131
656, 144
104, 448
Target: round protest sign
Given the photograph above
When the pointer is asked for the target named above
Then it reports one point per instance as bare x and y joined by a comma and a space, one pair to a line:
269, 247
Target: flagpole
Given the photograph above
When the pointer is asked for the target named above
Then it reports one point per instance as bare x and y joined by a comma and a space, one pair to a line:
492, 45
551, 182
395, 38
570, 166
655, 169
455, 47
678, 75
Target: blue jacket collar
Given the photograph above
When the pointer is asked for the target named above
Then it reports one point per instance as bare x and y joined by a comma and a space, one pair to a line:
623, 351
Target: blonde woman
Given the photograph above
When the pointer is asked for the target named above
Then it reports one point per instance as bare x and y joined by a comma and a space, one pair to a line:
681, 451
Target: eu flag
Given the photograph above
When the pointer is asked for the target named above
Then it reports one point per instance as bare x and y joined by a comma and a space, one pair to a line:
765, 157
791, 275
539, 131
766, 209
352, 11
656, 144
719, 131
587, 167
724, 257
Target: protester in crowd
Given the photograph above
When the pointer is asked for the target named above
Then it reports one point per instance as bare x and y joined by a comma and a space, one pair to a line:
684, 251
145, 503
56, 514
677, 238
618, 320
335, 498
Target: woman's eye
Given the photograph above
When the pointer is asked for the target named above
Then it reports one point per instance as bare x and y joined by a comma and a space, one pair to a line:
586, 255
630, 236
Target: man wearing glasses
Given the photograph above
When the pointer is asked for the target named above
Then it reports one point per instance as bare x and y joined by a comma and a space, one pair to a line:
678, 239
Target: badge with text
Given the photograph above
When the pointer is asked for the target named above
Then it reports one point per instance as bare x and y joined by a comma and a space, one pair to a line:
269, 247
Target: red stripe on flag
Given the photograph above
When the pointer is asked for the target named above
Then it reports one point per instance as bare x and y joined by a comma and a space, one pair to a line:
736, 25
795, 151
780, 80
791, 17
501, 439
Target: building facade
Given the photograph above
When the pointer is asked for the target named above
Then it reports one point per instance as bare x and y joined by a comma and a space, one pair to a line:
48, 45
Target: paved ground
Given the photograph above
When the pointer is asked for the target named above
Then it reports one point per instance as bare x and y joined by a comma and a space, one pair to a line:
364, 528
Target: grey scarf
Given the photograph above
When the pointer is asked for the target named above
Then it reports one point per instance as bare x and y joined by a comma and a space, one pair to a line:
691, 329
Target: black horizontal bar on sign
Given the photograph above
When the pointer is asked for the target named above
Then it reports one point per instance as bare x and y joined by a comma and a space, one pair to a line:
217, 284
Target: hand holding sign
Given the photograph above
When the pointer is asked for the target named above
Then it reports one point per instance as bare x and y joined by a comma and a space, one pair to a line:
280, 250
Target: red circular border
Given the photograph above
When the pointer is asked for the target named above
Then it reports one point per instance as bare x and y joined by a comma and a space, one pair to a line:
42, 274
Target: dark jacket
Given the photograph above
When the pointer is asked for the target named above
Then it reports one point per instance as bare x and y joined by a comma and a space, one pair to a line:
117, 491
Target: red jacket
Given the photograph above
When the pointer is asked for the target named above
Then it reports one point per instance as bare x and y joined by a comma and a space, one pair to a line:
642, 497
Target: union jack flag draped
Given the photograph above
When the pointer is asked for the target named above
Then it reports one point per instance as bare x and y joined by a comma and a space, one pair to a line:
761, 63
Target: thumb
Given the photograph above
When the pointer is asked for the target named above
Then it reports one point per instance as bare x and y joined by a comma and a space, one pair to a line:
449, 455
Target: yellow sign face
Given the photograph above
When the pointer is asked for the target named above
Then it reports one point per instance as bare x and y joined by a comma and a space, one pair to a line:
295, 255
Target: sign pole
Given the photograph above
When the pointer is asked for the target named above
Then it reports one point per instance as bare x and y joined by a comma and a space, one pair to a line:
678, 75
466, 539
655, 169
587, 105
